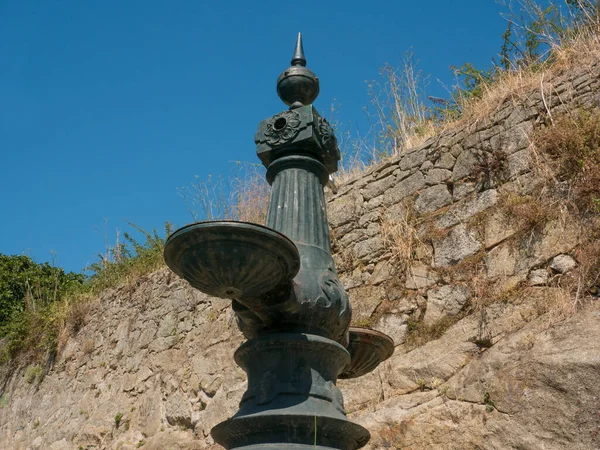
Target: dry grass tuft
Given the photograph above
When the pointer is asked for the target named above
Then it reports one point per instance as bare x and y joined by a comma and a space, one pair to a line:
576, 289
572, 149
243, 195
403, 118
419, 334
510, 86
400, 236
527, 213
571, 40
251, 196
391, 436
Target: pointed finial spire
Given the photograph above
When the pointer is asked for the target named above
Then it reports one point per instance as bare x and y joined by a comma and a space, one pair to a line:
299, 59
298, 86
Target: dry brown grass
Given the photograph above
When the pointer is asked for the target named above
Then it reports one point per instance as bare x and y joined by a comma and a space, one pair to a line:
572, 149
401, 116
567, 155
251, 196
243, 195
577, 46
419, 334
400, 236
576, 289
527, 213
354, 166
88, 347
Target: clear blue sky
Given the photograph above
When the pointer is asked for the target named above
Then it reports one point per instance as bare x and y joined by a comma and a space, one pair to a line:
106, 108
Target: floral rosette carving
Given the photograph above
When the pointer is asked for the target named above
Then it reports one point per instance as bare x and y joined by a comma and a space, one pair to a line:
327, 135
282, 128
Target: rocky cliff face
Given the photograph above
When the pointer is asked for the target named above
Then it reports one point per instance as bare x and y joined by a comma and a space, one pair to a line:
433, 252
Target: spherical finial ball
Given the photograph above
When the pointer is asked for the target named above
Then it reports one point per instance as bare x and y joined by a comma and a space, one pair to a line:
297, 84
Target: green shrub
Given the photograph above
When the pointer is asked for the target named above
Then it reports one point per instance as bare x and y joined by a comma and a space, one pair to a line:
27, 284
34, 373
39, 301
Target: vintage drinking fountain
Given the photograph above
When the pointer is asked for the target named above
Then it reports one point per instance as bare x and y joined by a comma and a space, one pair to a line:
284, 289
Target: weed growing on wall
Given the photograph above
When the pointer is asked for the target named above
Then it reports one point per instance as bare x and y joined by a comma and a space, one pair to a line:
243, 195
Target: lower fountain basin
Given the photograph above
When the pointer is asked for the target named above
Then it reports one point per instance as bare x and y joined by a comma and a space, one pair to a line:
232, 259
368, 348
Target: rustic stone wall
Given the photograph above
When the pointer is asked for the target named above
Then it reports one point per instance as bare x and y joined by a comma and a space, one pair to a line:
423, 243
158, 353
400, 228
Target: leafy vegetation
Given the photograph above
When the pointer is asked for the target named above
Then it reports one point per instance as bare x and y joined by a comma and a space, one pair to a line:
118, 418
33, 373
38, 302
27, 284
128, 260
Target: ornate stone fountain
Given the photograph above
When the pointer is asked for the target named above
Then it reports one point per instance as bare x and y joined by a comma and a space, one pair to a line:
285, 290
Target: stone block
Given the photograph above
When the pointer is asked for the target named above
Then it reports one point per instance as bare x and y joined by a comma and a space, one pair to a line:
341, 210
394, 326
467, 208
472, 140
365, 300
462, 189
523, 184
414, 159
437, 176
375, 202
446, 301
384, 170
373, 229
456, 150
458, 244
563, 263
401, 174
426, 165
378, 187
519, 163
404, 188
487, 133
538, 277
501, 261
177, 411
168, 326
497, 227
557, 237
445, 161
583, 80
465, 165
419, 276
350, 282
369, 249
371, 216
397, 213
432, 199
351, 237
382, 272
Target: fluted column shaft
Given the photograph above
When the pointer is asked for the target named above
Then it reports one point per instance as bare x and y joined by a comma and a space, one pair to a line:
297, 203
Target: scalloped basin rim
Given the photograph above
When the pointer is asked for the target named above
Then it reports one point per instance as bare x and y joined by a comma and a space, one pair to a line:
231, 259
368, 348
230, 223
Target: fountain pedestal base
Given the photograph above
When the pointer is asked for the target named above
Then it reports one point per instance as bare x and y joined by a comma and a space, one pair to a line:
292, 401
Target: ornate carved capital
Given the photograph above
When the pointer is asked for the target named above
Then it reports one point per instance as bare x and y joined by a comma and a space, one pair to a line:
282, 128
